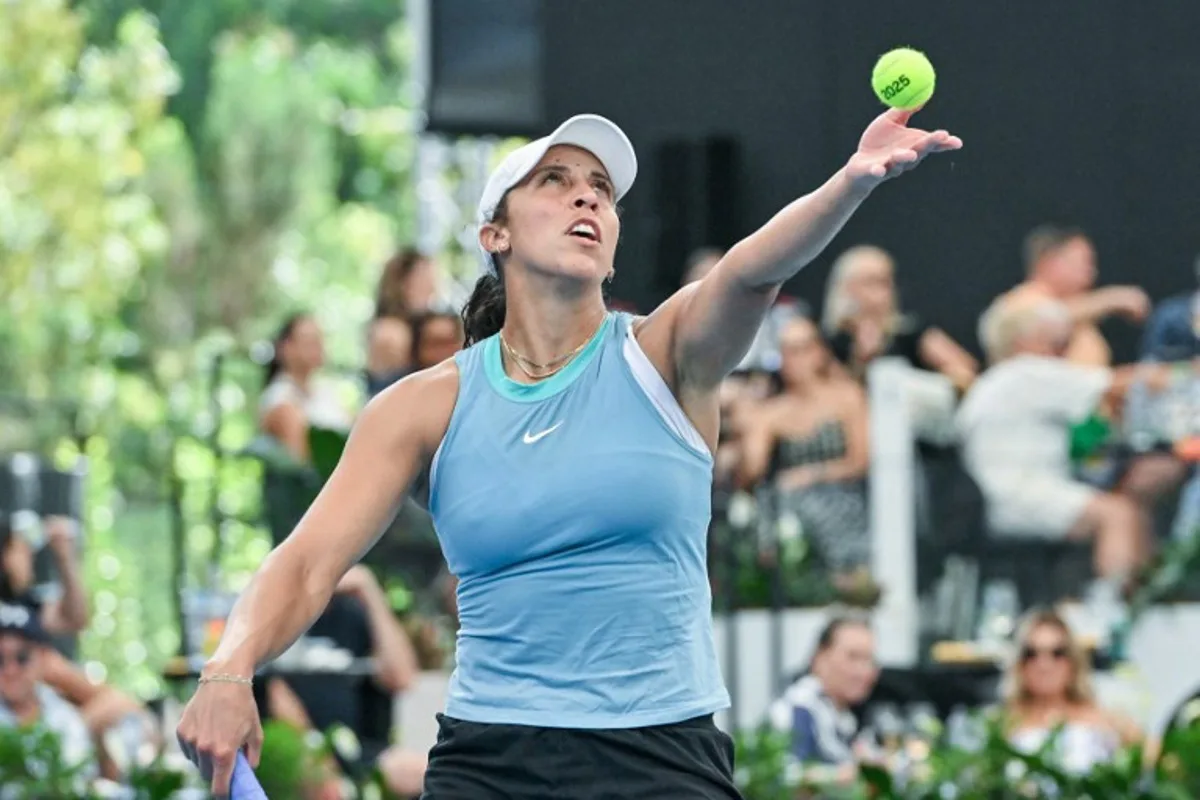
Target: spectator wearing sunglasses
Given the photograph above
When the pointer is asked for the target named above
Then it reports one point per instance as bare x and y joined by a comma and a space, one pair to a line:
1048, 685
24, 699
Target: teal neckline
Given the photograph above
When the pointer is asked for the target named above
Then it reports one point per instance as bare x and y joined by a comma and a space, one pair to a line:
493, 367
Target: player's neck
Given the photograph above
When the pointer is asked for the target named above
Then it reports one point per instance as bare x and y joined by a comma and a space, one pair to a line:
545, 325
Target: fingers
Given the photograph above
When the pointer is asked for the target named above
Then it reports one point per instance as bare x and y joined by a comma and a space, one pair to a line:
900, 116
254, 745
185, 745
222, 770
937, 142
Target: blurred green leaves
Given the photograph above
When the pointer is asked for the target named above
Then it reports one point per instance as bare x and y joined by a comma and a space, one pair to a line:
175, 177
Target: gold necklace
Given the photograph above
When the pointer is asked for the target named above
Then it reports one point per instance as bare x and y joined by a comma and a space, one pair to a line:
537, 371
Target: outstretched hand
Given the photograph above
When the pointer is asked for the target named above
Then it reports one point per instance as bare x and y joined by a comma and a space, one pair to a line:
889, 148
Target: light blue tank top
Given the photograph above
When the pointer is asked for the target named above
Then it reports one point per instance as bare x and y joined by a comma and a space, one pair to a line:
575, 514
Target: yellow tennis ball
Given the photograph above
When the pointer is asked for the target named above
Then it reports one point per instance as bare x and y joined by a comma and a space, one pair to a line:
903, 78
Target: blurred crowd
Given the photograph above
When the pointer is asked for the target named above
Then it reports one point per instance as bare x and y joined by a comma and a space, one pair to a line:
1061, 443
1045, 703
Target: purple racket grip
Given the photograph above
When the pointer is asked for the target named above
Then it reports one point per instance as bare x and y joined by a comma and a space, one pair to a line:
245, 785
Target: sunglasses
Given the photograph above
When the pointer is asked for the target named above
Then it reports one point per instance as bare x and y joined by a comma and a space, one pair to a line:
20, 658
1028, 653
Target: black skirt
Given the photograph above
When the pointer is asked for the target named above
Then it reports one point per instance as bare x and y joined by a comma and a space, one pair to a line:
680, 761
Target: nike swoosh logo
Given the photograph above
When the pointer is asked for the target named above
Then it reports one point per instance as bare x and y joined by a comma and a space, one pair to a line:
530, 438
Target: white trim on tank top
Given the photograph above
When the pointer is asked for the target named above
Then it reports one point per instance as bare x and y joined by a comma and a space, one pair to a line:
652, 383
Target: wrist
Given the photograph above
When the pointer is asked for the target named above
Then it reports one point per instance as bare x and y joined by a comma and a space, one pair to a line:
856, 187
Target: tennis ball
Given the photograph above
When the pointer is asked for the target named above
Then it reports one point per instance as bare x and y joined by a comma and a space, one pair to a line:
903, 78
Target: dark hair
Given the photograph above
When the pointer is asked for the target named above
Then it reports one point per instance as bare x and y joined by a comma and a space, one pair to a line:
836, 623
483, 313
390, 300
1045, 239
282, 335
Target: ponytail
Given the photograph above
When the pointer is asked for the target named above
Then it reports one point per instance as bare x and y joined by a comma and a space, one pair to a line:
483, 314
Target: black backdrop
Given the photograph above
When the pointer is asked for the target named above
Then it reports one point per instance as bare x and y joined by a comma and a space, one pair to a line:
1083, 112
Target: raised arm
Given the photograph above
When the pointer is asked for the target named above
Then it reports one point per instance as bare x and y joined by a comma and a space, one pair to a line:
714, 320
395, 435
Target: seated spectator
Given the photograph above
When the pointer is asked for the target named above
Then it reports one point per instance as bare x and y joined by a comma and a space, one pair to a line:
408, 288
1049, 685
1060, 263
102, 708
862, 321
408, 285
294, 396
359, 619
389, 352
66, 614
813, 437
817, 708
25, 700
1015, 425
1173, 332
437, 336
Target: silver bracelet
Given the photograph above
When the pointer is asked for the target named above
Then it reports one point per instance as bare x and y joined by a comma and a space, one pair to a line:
223, 678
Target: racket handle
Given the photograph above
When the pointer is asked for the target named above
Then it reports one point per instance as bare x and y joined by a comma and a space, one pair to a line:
245, 785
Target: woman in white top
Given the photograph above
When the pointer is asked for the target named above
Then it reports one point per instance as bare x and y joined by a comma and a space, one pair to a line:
294, 398
1049, 685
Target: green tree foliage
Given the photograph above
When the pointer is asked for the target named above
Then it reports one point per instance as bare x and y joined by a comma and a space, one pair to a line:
76, 225
136, 245
190, 28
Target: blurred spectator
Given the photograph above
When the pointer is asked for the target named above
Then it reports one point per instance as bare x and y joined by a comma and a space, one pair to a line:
1173, 332
24, 699
1049, 685
359, 620
1060, 263
810, 441
389, 352
408, 285
437, 336
1016, 424
817, 708
863, 321
294, 396
103, 709
408, 288
65, 614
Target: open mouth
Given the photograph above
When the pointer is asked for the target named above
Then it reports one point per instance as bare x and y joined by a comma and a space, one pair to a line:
585, 229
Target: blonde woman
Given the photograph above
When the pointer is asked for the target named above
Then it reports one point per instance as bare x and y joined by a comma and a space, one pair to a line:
1049, 685
862, 321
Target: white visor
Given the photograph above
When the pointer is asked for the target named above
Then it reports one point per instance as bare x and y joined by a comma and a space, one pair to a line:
590, 132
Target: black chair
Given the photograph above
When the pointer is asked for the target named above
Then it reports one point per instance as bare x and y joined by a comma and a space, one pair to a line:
1044, 571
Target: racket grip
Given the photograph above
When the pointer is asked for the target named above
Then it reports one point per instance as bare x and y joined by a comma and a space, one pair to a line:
245, 785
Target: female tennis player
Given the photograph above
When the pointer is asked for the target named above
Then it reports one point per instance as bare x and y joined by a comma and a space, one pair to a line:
569, 453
